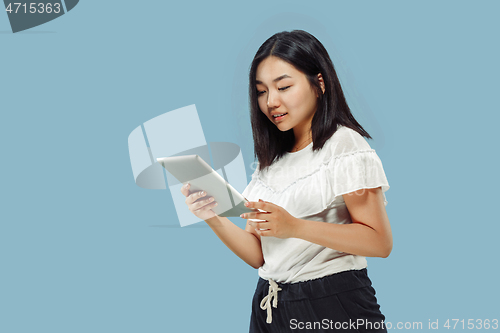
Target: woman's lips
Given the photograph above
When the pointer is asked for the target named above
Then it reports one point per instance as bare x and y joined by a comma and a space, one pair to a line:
279, 118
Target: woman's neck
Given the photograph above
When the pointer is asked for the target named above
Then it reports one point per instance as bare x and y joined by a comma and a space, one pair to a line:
302, 142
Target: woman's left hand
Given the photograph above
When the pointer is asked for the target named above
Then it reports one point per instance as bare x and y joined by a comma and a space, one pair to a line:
277, 222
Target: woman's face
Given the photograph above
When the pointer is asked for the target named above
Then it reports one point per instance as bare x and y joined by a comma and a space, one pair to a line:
282, 89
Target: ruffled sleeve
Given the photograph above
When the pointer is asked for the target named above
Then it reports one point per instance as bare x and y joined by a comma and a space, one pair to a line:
353, 171
312, 183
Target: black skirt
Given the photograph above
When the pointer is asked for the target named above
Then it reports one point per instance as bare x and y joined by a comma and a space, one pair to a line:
343, 302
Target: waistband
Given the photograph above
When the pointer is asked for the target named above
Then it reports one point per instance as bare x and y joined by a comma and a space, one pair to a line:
311, 289
324, 286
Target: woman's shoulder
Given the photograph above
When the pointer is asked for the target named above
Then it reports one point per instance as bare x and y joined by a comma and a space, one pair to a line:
346, 140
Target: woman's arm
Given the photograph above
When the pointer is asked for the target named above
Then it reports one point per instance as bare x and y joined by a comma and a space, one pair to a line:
369, 234
244, 243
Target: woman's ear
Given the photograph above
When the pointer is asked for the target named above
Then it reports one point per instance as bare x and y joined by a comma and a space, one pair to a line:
321, 82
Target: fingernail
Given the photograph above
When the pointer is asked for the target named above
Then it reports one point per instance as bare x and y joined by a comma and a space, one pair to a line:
186, 186
247, 204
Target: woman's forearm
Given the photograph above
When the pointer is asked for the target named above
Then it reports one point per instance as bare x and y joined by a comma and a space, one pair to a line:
244, 244
354, 238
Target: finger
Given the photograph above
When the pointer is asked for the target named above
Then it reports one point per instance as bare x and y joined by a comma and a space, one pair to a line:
260, 224
185, 190
264, 205
195, 196
263, 233
206, 207
256, 215
202, 203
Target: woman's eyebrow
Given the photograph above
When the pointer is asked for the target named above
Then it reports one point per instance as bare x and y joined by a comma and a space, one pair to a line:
281, 77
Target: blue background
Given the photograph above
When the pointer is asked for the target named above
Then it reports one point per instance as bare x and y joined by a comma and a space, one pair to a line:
84, 249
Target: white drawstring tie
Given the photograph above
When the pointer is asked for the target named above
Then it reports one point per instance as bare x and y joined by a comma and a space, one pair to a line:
265, 304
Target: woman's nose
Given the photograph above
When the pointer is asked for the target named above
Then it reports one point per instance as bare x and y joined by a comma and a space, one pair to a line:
272, 100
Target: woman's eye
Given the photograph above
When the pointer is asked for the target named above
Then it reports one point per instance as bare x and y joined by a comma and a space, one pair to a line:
284, 88
260, 92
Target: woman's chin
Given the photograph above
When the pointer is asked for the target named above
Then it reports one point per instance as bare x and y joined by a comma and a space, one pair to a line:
283, 128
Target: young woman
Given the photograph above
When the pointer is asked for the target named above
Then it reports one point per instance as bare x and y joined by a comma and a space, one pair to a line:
319, 189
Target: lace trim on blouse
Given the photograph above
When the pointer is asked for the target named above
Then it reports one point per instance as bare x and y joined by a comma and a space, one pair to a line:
317, 190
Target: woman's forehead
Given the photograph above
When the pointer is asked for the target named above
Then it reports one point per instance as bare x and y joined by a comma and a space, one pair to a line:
274, 69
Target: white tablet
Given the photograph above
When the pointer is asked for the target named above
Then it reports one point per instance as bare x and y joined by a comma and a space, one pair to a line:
194, 170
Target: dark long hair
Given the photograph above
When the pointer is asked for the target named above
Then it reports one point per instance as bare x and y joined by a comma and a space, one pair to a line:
303, 51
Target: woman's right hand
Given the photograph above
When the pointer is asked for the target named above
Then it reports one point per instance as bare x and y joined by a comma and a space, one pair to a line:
198, 204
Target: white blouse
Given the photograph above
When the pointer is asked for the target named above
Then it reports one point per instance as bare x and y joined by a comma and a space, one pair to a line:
309, 185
